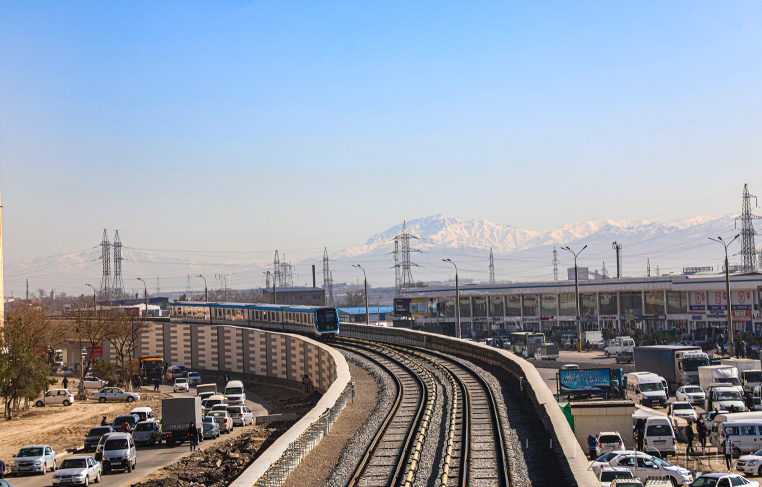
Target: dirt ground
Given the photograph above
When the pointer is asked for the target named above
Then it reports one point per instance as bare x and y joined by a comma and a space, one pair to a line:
64, 428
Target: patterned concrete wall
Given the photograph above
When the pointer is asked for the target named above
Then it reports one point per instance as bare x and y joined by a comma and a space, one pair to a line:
273, 357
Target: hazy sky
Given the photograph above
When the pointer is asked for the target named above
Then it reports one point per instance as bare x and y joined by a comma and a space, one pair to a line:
238, 128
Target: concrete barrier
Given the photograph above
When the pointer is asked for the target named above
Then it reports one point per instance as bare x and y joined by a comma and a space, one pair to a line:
572, 458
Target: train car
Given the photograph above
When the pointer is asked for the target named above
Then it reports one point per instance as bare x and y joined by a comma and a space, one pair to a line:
321, 322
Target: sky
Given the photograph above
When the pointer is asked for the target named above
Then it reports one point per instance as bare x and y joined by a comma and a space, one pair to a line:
233, 129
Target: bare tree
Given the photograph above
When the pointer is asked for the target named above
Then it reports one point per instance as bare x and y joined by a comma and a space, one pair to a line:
354, 299
124, 333
91, 328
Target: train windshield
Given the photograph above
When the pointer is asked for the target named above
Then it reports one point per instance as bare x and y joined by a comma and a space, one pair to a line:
327, 319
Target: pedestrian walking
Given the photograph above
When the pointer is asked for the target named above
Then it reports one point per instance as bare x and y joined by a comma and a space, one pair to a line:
226, 378
193, 434
728, 447
592, 443
307, 383
689, 435
156, 384
65, 383
702, 436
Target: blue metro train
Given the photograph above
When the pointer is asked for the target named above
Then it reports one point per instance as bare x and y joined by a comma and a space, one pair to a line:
319, 322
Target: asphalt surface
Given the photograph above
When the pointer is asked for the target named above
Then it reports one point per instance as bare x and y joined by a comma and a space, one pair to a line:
149, 457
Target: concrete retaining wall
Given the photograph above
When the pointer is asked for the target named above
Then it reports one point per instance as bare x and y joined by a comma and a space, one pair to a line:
572, 458
270, 357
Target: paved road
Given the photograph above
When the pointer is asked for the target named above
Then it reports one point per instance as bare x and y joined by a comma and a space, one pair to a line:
149, 457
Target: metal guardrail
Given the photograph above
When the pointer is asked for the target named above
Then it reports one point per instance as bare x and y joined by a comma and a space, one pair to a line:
279, 470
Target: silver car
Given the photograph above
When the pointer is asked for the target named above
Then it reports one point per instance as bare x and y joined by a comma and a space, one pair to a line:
34, 459
115, 394
81, 469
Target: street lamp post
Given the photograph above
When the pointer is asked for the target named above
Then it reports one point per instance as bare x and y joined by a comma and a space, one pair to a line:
80, 387
145, 295
727, 289
90, 285
457, 299
365, 278
206, 291
576, 295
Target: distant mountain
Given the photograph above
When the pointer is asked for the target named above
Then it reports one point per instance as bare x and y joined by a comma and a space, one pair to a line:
520, 255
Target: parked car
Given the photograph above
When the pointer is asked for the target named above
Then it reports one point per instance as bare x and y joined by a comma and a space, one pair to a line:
147, 433
55, 396
211, 428
721, 479
34, 459
750, 464
683, 409
241, 415
144, 413
90, 383
194, 378
181, 385
130, 419
175, 372
81, 469
119, 453
625, 357
608, 475
569, 367
642, 465
115, 394
93, 437
691, 394
223, 419
609, 441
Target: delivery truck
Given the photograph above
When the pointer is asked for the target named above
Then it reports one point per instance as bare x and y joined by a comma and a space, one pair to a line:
725, 375
749, 372
177, 414
678, 364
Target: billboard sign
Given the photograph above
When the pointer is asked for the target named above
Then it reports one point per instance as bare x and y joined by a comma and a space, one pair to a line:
419, 307
584, 381
402, 306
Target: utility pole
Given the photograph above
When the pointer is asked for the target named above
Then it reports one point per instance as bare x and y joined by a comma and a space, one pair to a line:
618, 248
457, 300
727, 289
576, 295
206, 290
365, 278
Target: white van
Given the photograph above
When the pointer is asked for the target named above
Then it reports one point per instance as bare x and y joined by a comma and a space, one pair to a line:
745, 436
646, 388
621, 344
659, 437
234, 392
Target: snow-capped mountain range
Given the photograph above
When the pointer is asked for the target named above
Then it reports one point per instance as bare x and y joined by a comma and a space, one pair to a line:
519, 255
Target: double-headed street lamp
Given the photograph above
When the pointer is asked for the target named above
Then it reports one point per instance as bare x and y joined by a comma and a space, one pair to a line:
576, 295
727, 288
365, 278
90, 285
206, 291
145, 295
457, 299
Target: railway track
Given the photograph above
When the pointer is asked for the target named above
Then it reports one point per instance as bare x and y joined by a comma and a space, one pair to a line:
470, 435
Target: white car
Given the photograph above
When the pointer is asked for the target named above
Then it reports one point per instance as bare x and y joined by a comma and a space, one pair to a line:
642, 465
181, 385
750, 464
34, 459
608, 441
63, 397
721, 479
81, 469
90, 383
684, 410
691, 394
607, 475
115, 394
241, 415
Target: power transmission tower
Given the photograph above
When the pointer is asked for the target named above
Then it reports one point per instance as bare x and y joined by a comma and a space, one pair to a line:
118, 288
648, 267
748, 252
188, 289
106, 257
555, 264
327, 279
604, 272
277, 276
402, 273
491, 267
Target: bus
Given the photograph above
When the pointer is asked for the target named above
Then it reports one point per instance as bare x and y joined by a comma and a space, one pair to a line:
524, 343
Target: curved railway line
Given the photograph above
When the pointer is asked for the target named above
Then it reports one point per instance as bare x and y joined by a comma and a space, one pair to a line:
470, 434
